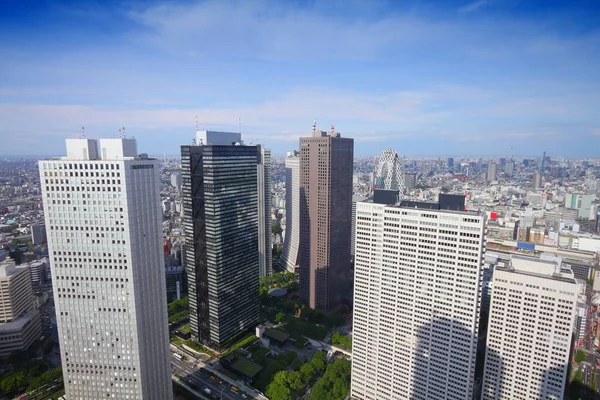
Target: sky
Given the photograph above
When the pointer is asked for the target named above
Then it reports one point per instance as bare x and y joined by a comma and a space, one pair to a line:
442, 78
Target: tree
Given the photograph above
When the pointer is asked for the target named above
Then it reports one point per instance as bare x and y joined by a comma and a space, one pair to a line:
12, 382
319, 361
279, 317
278, 391
276, 229
579, 356
294, 380
308, 372
319, 391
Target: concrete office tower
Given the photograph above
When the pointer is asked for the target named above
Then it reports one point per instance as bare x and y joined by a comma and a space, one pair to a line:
38, 234
492, 172
176, 180
389, 171
537, 180
583, 203
265, 238
509, 167
326, 167
410, 181
529, 330
355, 199
102, 210
417, 282
289, 256
450, 162
20, 325
219, 196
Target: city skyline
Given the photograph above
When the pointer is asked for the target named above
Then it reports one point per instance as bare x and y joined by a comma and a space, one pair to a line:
413, 77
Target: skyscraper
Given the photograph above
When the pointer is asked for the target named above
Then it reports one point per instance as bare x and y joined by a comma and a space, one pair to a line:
220, 206
326, 167
417, 295
389, 171
265, 241
289, 256
537, 180
492, 172
102, 211
529, 330
450, 162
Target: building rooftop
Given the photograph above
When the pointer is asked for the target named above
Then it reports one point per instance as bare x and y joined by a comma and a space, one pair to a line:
8, 268
18, 324
532, 266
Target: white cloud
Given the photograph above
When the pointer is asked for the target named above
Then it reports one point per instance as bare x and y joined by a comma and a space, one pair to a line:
474, 6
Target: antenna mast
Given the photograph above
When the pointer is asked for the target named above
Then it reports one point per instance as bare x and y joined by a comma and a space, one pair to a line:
196, 123
82, 132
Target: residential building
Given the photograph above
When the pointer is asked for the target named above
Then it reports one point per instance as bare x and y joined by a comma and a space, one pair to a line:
290, 255
38, 234
102, 210
326, 167
417, 295
265, 239
529, 330
220, 207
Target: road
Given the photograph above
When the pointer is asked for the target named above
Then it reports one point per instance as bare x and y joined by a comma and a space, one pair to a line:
202, 372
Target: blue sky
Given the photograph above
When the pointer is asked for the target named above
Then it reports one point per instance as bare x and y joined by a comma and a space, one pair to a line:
423, 77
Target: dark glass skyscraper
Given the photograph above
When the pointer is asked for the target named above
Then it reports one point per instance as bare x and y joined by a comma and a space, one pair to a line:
220, 205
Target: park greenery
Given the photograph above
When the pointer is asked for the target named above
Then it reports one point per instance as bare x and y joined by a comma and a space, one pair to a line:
339, 340
335, 384
291, 384
33, 377
178, 310
281, 279
579, 356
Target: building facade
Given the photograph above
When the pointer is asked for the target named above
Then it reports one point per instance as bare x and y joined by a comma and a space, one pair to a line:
289, 256
417, 293
389, 171
492, 172
20, 324
326, 168
529, 330
38, 234
220, 205
265, 238
102, 211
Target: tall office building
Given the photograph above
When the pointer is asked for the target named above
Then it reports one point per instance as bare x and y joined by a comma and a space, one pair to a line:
326, 168
537, 180
38, 234
529, 331
417, 282
492, 172
102, 210
450, 162
220, 205
355, 199
389, 171
20, 324
289, 256
410, 181
509, 167
265, 238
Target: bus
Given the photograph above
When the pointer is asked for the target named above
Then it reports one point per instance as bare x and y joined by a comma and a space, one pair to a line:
178, 356
234, 389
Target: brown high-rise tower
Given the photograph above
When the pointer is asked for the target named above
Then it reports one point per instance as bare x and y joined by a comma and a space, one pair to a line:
326, 167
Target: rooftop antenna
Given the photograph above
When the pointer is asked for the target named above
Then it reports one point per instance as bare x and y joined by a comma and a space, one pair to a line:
196, 123
314, 126
123, 133
120, 133
82, 132
331, 130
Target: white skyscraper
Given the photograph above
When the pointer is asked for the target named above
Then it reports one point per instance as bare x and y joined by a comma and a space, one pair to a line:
417, 289
289, 256
389, 171
529, 330
103, 219
265, 242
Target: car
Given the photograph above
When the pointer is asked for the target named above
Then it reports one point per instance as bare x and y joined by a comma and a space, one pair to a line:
206, 390
212, 378
244, 396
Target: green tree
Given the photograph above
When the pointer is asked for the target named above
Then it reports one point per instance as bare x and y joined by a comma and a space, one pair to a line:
294, 380
276, 229
320, 391
308, 372
278, 388
279, 317
319, 361
12, 382
580, 356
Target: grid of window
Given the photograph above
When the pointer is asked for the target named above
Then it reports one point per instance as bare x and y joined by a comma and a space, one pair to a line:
416, 303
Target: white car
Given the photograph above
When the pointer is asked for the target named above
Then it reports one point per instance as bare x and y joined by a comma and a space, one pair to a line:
207, 390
